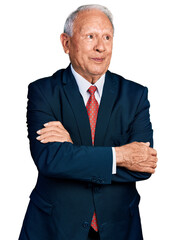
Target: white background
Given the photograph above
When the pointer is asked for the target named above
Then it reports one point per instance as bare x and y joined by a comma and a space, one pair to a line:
144, 51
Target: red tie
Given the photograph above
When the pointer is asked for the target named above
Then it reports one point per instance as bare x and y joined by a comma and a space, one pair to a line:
92, 110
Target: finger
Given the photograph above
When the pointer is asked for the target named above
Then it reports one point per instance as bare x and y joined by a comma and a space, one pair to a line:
145, 169
53, 139
149, 164
148, 170
49, 134
153, 165
49, 129
53, 123
153, 152
152, 162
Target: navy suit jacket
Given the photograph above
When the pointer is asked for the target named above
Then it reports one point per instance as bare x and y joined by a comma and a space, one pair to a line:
76, 179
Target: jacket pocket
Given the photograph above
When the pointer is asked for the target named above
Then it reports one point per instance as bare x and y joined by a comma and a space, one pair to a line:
134, 204
39, 202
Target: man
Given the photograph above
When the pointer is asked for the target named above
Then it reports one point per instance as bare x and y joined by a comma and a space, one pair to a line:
91, 140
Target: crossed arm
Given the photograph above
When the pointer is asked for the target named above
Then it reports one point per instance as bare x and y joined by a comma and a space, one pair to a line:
135, 156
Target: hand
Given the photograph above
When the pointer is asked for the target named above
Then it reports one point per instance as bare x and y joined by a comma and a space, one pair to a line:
53, 132
137, 156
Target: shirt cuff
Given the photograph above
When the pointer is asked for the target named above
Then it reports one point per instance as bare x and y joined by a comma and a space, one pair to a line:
113, 161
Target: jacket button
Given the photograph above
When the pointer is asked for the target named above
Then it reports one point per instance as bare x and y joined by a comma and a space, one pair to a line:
94, 180
85, 224
100, 181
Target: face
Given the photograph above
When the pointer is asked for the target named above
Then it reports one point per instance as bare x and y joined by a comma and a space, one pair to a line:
90, 47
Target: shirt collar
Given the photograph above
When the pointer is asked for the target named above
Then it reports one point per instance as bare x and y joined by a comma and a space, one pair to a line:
84, 85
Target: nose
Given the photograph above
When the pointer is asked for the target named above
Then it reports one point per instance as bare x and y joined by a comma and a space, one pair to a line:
99, 46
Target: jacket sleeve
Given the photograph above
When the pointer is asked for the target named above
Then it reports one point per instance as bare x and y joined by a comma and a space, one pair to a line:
140, 131
63, 160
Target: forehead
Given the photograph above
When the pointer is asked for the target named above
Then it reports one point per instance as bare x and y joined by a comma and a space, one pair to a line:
92, 19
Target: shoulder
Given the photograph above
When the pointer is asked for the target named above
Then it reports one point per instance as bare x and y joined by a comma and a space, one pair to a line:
47, 87
48, 82
126, 82
128, 90
128, 87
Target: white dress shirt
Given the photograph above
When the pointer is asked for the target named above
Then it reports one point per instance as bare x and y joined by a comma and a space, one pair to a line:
83, 86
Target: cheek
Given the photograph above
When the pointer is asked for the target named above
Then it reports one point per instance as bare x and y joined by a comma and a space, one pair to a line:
109, 48
109, 52
86, 47
80, 48
74, 49
82, 54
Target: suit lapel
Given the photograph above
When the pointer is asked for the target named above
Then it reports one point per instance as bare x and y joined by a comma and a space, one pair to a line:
109, 96
77, 104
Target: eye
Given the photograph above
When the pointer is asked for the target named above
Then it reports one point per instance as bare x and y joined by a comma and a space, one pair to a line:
90, 36
107, 37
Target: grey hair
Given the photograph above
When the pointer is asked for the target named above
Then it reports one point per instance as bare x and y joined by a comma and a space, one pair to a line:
68, 27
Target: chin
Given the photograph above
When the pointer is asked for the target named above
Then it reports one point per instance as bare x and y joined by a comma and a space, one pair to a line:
98, 70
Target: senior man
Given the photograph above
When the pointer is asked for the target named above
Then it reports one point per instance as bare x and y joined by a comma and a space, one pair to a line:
91, 140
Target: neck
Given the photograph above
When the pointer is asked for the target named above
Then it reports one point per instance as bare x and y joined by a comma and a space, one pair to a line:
93, 80
89, 77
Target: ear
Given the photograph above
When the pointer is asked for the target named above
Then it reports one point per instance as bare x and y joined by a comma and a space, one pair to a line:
65, 40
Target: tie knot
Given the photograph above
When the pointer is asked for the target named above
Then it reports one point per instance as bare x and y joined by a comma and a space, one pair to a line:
92, 90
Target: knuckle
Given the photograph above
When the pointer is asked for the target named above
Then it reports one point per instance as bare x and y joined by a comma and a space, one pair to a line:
154, 165
152, 170
41, 131
52, 122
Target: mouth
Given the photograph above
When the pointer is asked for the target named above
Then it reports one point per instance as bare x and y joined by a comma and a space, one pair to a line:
98, 60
